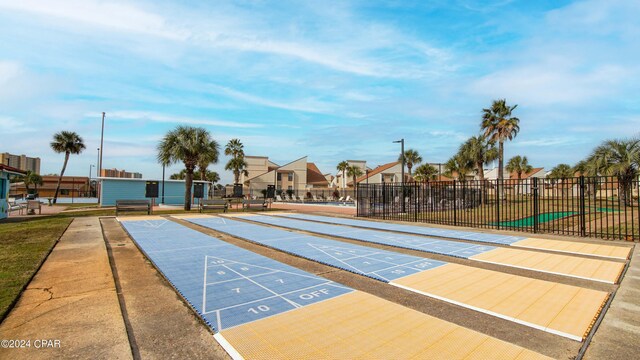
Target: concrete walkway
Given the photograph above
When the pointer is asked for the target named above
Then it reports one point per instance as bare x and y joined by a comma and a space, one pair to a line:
73, 300
618, 336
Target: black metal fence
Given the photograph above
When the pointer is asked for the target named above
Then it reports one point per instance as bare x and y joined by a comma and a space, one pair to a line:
309, 195
602, 207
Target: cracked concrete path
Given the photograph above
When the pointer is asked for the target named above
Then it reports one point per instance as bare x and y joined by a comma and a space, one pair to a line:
71, 299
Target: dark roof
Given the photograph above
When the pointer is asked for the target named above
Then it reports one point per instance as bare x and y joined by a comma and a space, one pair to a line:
377, 170
11, 169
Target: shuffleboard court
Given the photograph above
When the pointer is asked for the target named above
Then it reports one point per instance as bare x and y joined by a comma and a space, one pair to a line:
601, 250
536, 303
584, 268
310, 317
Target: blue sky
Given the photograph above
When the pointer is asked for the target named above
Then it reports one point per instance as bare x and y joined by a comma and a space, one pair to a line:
332, 80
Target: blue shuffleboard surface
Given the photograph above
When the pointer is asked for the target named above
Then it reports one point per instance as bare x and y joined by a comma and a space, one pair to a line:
375, 263
436, 246
412, 229
226, 285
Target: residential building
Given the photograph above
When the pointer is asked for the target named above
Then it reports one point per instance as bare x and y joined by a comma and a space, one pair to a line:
115, 173
387, 173
21, 162
70, 186
342, 180
5, 172
296, 175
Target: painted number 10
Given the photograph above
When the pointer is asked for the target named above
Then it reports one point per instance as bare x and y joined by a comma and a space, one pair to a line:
259, 309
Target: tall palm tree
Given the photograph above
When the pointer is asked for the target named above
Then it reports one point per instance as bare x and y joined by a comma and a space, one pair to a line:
67, 142
31, 178
184, 144
212, 177
343, 166
235, 149
498, 125
179, 175
425, 172
458, 165
208, 157
619, 158
355, 172
411, 157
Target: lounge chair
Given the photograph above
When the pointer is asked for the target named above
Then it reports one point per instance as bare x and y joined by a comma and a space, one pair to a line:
278, 198
341, 198
15, 206
315, 199
348, 199
32, 205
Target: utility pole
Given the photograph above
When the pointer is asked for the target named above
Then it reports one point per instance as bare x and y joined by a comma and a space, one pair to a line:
101, 145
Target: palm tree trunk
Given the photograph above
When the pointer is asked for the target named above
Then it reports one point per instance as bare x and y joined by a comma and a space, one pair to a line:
236, 175
483, 187
188, 182
64, 167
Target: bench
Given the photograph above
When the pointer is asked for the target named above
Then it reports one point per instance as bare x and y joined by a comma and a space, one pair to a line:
214, 204
248, 204
133, 205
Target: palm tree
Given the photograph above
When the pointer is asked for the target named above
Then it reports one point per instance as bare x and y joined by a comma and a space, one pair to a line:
343, 166
212, 177
480, 151
208, 157
458, 165
31, 178
619, 158
561, 171
425, 172
67, 142
179, 175
411, 157
235, 149
355, 172
498, 125
519, 164
238, 166
184, 144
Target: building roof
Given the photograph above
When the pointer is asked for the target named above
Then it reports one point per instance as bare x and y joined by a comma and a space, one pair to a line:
377, 170
314, 176
514, 175
12, 170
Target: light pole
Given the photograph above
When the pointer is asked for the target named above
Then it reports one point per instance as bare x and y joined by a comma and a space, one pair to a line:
90, 166
163, 166
401, 141
101, 149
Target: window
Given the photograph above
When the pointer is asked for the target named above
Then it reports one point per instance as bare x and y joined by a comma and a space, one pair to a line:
289, 187
3, 183
290, 176
64, 191
279, 177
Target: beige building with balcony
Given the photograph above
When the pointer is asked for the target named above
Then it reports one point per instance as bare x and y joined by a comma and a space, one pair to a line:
296, 175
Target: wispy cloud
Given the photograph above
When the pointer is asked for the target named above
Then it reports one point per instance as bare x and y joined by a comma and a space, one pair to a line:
164, 118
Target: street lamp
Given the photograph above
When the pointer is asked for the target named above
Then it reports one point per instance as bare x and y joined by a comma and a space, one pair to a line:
90, 166
401, 141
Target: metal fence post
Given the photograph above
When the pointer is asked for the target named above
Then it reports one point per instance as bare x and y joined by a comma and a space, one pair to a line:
455, 205
583, 215
415, 196
536, 206
497, 200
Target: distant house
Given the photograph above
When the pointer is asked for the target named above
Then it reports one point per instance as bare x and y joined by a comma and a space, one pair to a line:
295, 175
387, 173
343, 180
5, 172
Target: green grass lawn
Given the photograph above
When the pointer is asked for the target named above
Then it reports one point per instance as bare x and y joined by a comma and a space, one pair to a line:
23, 246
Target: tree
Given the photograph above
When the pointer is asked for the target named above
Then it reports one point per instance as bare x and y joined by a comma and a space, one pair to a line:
343, 166
67, 142
619, 158
458, 165
498, 125
479, 151
208, 157
425, 172
31, 178
236, 164
411, 157
355, 172
184, 144
519, 164
179, 175
561, 171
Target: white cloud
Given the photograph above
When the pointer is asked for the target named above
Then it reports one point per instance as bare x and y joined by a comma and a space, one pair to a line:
163, 118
